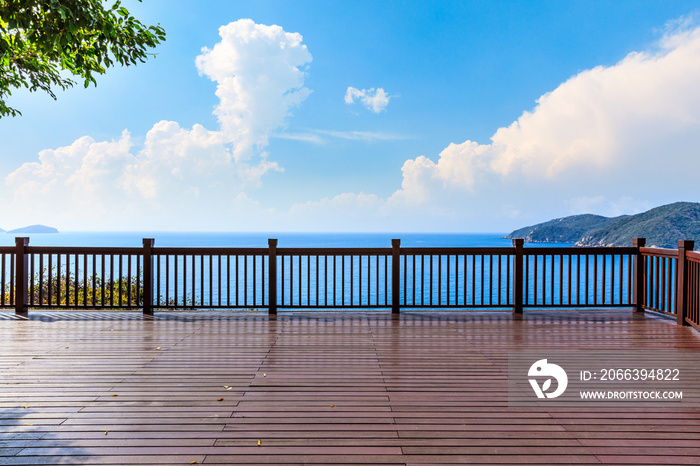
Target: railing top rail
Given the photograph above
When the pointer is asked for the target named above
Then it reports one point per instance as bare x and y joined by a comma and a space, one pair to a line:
578, 250
330, 251
693, 255
82, 250
333, 251
660, 252
417, 251
208, 251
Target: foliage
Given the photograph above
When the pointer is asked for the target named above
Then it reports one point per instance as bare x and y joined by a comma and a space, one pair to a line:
67, 290
41, 38
52, 290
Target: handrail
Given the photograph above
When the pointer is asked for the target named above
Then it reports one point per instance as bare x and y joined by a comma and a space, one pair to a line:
517, 277
693, 256
333, 251
456, 250
81, 250
659, 252
580, 250
207, 251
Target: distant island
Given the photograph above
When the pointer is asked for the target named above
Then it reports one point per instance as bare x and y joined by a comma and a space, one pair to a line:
662, 227
33, 229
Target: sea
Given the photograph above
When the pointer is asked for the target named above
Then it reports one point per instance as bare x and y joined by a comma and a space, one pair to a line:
260, 240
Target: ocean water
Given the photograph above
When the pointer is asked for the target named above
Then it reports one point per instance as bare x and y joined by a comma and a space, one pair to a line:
185, 239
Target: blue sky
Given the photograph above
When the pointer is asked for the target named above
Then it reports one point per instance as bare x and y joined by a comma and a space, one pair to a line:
369, 116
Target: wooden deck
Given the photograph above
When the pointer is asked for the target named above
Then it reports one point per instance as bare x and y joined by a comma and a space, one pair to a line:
317, 388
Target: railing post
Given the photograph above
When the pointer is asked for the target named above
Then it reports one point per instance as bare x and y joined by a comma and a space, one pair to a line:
638, 278
272, 277
148, 276
21, 276
395, 275
682, 285
518, 244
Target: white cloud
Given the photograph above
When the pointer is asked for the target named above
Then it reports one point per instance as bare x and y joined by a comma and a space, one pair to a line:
367, 136
609, 140
624, 205
303, 137
621, 134
77, 180
90, 183
315, 136
373, 99
197, 175
259, 71
345, 212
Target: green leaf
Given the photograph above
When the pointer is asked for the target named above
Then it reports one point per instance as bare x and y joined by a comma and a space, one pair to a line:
39, 38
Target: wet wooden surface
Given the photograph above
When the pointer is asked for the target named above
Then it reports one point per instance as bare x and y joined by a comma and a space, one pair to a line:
317, 388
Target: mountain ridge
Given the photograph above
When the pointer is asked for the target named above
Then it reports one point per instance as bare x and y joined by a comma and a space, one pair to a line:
32, 229
662, 227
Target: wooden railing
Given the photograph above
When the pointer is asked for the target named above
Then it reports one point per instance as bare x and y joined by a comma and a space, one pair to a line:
214, 278
455, 277
692, 287
578, 277
334, 277
148, 278
671, 282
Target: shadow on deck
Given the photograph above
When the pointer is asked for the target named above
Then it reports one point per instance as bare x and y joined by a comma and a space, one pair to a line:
327, 388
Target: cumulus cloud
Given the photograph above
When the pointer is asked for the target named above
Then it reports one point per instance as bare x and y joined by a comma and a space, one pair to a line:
625, 205
361, 212
93, 183
609, 140
617, 134
82, 177
373, 99
341, 208
260, 72
200, 173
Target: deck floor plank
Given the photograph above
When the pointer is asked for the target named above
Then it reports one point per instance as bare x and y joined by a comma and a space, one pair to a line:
318, 388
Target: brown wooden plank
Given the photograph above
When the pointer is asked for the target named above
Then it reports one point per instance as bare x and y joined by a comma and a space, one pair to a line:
319, 388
